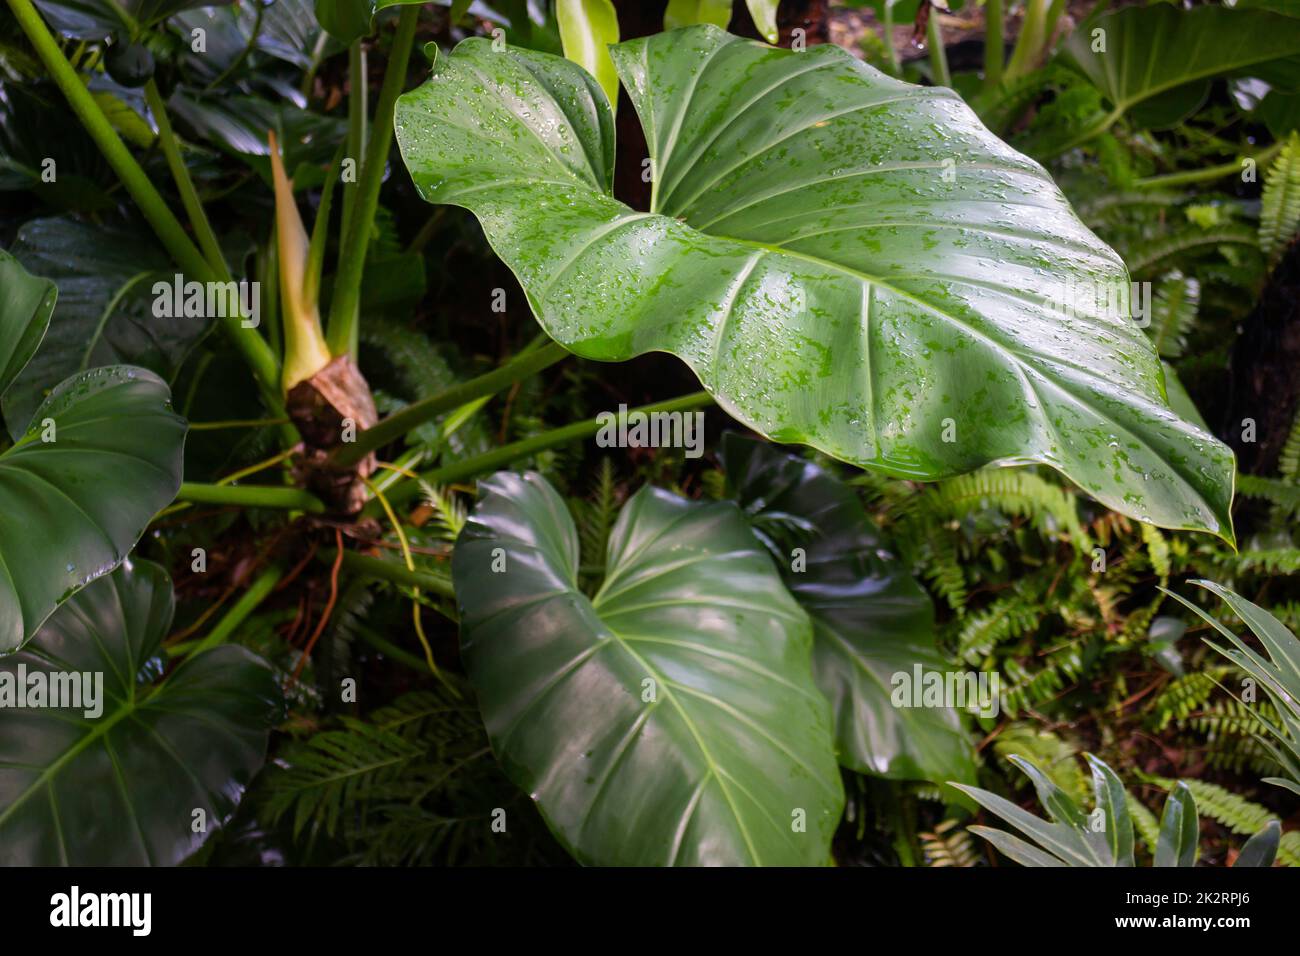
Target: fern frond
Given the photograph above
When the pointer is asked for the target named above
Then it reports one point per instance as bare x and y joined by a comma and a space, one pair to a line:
1284, 496
1157, 550
1173, 313
449, 512
332, 782
1007, 618
1181, 697
1279, 214
1016, 492
1186, 241
949, 844
1267, 561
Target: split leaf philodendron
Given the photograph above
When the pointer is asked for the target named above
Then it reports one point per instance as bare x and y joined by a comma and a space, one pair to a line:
672, 718
123, 779
845, 260
871, 620
100, 457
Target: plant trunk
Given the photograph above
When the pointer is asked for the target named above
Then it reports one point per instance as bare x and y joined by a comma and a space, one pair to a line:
1264, 387
330, 408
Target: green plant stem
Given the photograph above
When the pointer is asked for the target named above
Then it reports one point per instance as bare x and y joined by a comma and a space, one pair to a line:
164, 223
938, 55
1210, 173
994, 52
248, 602
228, 423
309, 76
500, 457
1102, 124
399, 423
391, 650
169, 230
252, 496
1029, 42
372, 567
356, 141
184, 184
887, 27
345, 308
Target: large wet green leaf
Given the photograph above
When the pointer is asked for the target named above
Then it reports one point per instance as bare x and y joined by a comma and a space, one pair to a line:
105, 311
101, 457
845, 260
1158, 60
25, 311
672, 718
871, 620
124, 787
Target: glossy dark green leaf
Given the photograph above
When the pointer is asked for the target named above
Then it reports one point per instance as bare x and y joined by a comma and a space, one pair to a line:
345, 20
122, 787
845, 260
672, 718
1179, 829
25, 307
97, 19
1261, 849
1113, 801
105, 310
1163, 57
1065, 840
37, 129
871, 620
101, 458
238, 125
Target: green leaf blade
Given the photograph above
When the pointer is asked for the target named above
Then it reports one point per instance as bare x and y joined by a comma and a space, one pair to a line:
840, 224
724, 757
871, 620
122, 788
72, 507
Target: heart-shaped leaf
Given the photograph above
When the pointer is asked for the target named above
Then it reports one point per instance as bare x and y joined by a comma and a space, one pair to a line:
844, 259
871, 620
25, 310
124, 786
1159, 59
101, 458
105, 311
670, 719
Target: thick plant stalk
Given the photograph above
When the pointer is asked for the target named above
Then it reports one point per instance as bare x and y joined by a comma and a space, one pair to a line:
938, 55
248, 602
164, 223
399, 423
251, 496
994, 54
356, 141
345, 308
184, 184
887, 26
382, 570
1209, 173
500, 457
1035, 34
